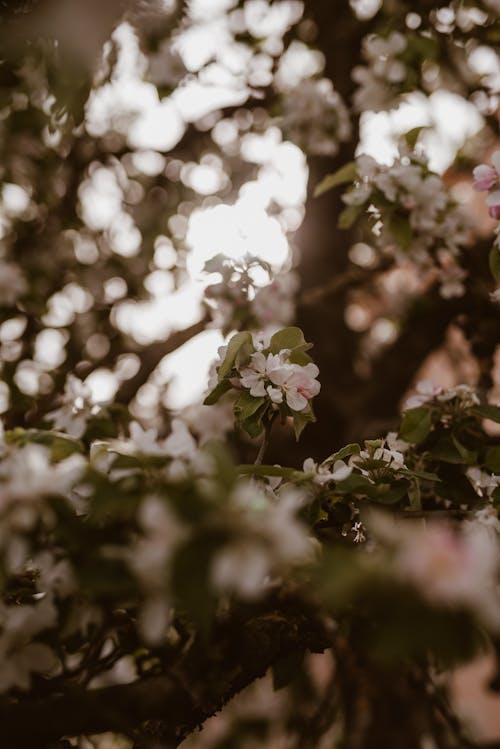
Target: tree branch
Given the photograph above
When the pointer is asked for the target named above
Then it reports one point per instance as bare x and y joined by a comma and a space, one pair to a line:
152, 355
240, 650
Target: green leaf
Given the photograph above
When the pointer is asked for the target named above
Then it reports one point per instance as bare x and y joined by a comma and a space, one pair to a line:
469, 457
346, 173
300, 357
300, 420
289, 338
344, 452
252, 425
446, 451
492, 459
401, 230
411, 137
217, 393
419, 474
247, 405
348, 216
353, 484
60, 445
235, 344
488, 411
415, 496
494, 260
263, 470
416, 425
389, 494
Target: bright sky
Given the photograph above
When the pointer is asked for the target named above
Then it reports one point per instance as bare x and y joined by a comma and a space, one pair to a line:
245, 226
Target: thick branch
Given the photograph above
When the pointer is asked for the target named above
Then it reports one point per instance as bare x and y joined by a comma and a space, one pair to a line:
239, 651
152, 356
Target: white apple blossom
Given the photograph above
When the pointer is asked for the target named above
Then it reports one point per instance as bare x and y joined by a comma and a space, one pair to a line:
451, 568
322, 473
465, 394
256, 376
379, 82
484, 483
20, 655
315, 117
487, 179
423, 225
270, 536
76, 408
28, 473
426, 391
297, 384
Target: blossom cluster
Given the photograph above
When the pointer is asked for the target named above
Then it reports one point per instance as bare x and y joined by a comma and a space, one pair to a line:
315, 117
380, 80
413, 217
487, 179
449, 568
273, 376
237, 302
56, 585
157, 507
76, 408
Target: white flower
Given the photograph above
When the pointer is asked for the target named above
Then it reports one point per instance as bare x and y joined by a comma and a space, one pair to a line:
483, 483
315, 117
254, 376
322, 472
298, 383
394, 443
210, 422
28, 472
465, 393
453, 569
19, 655
426, 390
145, 440
77, 406
242, 568
180, 443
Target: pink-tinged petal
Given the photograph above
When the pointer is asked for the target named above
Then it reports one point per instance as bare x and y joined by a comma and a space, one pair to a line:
484, 177
275, 394
259, 362
495, 160
280, 375
295, 400
493, 198
311, 370
494, 212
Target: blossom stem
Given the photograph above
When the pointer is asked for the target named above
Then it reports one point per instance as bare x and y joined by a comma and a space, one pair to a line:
265, 441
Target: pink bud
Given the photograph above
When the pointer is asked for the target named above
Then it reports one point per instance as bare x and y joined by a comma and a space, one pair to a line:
494, 211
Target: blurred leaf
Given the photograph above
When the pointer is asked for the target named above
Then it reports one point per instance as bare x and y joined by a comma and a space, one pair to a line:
344, 452
494, 260
401, 230
469, 457
492, 459
217, 393
487, 411
346, 173
349, 215
291, 338
415, 425
233, 347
